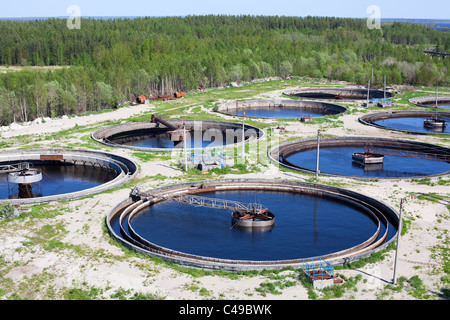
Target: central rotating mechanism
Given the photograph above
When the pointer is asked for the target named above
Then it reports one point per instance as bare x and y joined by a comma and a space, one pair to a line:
23, 175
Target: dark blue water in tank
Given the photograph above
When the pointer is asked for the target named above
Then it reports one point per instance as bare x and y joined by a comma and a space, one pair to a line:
163, 141
305, 226
59, 179
413, 124
281, 113
196, 139
339, 161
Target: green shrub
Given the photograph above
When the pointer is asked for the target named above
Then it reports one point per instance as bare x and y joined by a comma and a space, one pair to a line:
6, 210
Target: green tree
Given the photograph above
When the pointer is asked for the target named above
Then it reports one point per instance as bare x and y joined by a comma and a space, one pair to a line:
53, 98
235, 74
39, 95
104, 93
285, 68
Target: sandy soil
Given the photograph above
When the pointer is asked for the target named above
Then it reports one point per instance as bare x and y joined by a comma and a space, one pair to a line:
92, 260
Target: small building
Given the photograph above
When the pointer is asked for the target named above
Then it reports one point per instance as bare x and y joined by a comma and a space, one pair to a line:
207, 160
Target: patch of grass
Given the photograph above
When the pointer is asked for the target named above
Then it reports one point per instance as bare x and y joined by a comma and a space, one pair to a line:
158, 177
375, 257
195, 174
275, 287
41, 211
418, 289
338, 291
5, 144
312, 294
406, 225
443, 182
145, 296
81, 294
430, 182
432, 196
151, 156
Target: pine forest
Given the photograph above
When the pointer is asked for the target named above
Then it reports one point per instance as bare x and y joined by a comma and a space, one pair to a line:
110, 61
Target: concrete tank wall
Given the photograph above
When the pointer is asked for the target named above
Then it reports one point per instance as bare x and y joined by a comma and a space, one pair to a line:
327, 108
103, 135
370, 119
331, 93
430, 101
378, 209
292, 147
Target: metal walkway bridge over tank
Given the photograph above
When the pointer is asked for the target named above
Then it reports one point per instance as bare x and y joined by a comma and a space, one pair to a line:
17, 167
204, 201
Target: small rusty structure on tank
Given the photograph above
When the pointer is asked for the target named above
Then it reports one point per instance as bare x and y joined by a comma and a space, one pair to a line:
176, 133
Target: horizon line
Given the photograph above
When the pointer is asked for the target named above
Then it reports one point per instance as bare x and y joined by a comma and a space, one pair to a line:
169, 16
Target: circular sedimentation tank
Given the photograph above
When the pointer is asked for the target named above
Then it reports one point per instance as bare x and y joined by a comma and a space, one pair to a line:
408, 121
338, 93
311, 221
59, 174
442, 102
156, 136
280, 109
402, 159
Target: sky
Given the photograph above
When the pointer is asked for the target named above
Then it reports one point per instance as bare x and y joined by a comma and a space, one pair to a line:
412, 9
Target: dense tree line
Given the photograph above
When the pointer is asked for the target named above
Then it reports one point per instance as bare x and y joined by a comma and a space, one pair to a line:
115, 60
